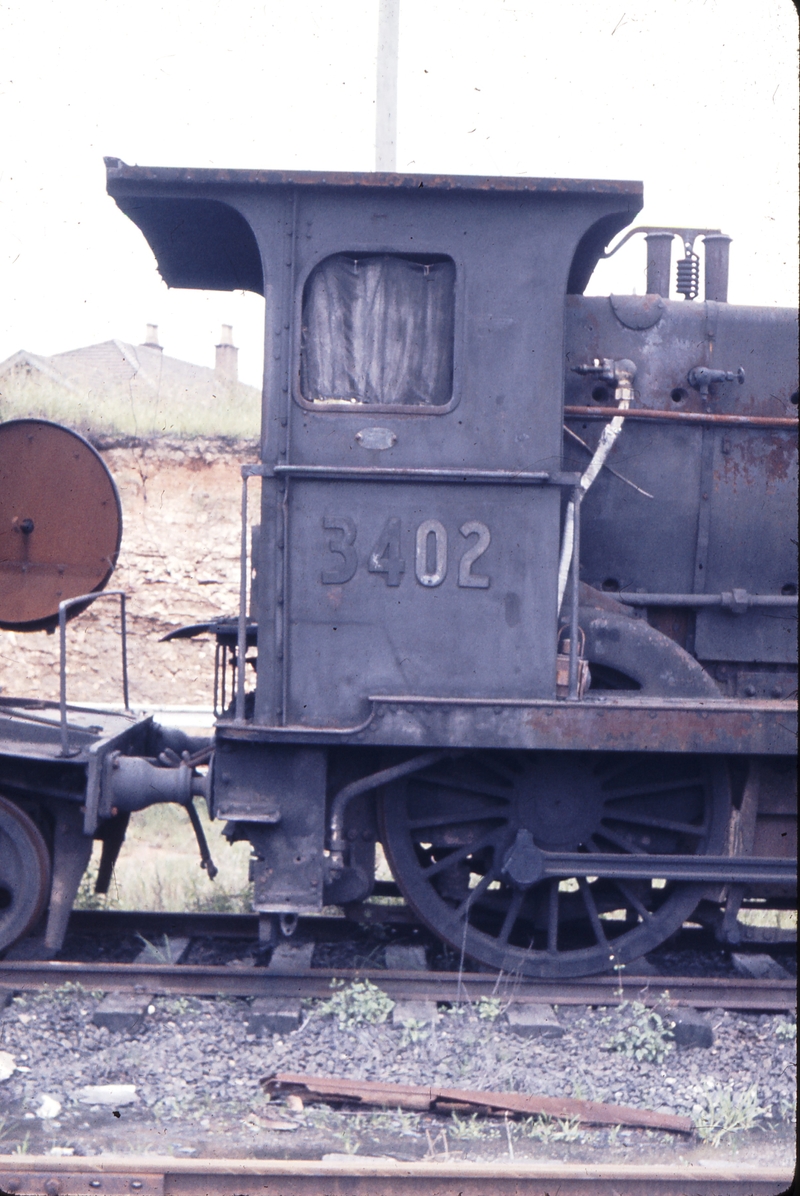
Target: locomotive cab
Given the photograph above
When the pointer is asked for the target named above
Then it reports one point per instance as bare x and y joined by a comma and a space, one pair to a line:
565, 715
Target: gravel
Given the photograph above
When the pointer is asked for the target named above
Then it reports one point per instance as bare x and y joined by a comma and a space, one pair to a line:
197, 1077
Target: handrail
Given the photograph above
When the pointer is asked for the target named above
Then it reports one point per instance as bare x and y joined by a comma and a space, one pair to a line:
63, 607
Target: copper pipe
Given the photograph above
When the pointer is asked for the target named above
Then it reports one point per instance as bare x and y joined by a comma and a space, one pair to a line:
685, 417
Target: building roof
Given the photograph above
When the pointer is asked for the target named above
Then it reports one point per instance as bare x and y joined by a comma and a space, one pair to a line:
115, 386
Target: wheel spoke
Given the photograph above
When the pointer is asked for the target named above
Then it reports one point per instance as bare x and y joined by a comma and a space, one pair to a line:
500, 769
437, 820
455, 857
552, 918
479, 787
478, 891
665, 824
620, 841
632, 899
653, 789
514, 907
591, 909
614, 769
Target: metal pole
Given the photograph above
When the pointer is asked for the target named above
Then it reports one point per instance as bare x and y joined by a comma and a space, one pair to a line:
124, 637
386, 85
241, 647
62, 631
574, 626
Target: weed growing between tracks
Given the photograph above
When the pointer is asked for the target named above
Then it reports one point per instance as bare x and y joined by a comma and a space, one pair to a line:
728, 1113
358, 1004
642, 1034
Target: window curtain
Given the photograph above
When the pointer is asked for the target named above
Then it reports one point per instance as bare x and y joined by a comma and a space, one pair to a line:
379, 329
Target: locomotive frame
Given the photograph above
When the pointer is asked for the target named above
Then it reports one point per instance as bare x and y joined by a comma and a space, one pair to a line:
430, 589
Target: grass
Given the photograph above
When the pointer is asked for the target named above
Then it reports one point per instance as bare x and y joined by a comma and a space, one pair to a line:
729, 1114
134, 411
159, 868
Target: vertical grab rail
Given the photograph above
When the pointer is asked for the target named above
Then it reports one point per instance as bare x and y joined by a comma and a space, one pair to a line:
63, 607
241, 638
574, 631
248, 471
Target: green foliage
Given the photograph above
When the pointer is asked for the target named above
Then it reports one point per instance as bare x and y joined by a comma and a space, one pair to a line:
547, 1129
642, 1034
358, 1004
171, 878
397, 1120
472, 1129
86, 897
729, 1114
159, 953
489, 1008
414, 1031
180, 1006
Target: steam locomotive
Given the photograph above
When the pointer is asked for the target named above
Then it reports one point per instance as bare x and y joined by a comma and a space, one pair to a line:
521, 605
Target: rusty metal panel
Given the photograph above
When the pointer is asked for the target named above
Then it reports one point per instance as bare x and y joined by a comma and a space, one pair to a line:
677, 448
713, 726
60, 521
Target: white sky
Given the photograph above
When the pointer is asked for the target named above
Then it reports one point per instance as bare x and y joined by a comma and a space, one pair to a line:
698, 98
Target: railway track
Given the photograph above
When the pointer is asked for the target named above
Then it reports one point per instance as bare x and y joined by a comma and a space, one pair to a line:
733, 993
153, 1175
146, 974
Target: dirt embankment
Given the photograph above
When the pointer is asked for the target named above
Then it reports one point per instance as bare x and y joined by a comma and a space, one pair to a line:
179, 563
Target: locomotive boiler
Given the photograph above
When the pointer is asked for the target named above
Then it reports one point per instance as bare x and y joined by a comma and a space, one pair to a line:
521, 603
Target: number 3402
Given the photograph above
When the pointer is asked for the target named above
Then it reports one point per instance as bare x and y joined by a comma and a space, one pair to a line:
386, 557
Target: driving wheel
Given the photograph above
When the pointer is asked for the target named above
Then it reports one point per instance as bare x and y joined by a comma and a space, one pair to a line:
24, 873
448, 831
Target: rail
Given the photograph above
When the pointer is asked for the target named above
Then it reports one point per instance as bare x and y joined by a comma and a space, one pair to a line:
63, 607
165, 1175
730, 992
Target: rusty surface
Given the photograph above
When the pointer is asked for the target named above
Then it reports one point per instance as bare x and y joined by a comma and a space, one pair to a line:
422, 1098
191, 979
60, 521
119, 171
108, 1175
685, 417
711, 726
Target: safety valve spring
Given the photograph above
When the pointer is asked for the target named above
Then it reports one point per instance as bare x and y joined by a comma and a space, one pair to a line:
689, 275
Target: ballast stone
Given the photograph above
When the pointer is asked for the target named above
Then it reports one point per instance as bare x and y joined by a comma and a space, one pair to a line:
290, 959
273, 1015
406, 958
121, 1010
759, 967
534, 1021
691, 1029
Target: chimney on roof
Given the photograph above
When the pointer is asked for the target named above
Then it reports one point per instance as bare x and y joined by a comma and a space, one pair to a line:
227, 364
151, 338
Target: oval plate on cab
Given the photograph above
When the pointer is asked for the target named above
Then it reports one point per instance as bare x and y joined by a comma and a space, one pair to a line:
376, 438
